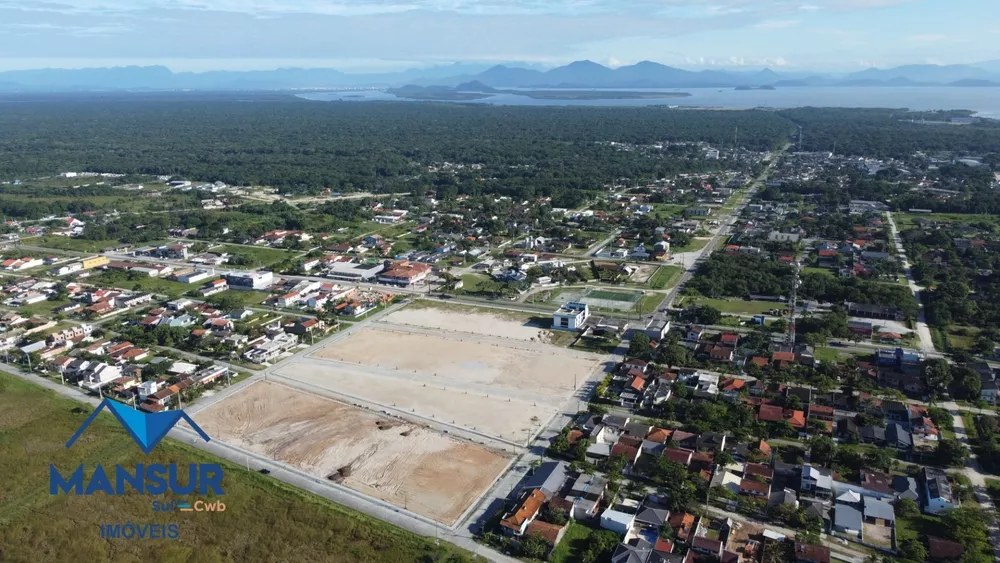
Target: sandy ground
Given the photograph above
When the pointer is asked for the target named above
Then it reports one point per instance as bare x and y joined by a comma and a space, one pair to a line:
480, 323
513, 419
408, 465
643, 272
543, 373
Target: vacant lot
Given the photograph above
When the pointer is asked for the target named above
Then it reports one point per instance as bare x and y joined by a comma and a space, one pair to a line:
405, 464
476, 320
548, 373
471, 407
264, 521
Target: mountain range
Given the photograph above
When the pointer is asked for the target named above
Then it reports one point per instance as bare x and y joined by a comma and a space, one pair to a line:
579, 74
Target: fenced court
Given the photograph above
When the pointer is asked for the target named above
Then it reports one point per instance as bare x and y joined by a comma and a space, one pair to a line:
606, 299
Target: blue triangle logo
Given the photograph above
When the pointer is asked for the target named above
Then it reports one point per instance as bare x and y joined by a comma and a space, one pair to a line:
147, 429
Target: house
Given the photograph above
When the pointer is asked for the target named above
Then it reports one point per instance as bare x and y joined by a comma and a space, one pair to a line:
571, 316
898, 437
515, 522
879, 512
808, 553
683, 525
937, 492
617, 521
694, 333
548, 478
755, 488
847, 519
405, 273
816, 481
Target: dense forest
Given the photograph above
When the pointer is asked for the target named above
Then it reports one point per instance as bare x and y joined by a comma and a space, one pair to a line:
891, 133
739, 276
303, 146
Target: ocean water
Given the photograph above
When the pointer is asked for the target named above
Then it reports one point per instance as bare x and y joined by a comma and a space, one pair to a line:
984, 101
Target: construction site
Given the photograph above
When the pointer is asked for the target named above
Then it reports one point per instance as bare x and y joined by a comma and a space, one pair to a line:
409, 465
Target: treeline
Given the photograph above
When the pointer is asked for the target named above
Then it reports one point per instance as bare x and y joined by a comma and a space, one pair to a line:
824, 288
739, 276
304, 146
882, 132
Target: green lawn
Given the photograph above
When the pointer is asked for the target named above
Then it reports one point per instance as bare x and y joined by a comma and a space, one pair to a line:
737, 306
669, 209
74, 244
472, 282
906, 221
597, 345
922, 524
248, 298
43, 308
260, 256
827, 354
648, 303
812, 270
665, 276
574, 544
264, 520
163, 286
695, 245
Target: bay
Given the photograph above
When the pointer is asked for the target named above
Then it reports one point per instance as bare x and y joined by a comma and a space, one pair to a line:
984, 101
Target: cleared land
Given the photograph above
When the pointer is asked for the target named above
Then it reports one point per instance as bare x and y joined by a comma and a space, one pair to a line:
264, 521
462, 361
458, 318
405, 464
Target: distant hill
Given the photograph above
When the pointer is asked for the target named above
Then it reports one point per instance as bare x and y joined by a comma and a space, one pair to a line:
480, 78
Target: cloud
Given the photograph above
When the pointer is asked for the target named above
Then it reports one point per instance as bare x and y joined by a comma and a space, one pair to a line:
927, 38
777, 24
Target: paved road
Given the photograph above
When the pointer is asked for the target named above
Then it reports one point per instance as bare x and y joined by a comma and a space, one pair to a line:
923, 332
974, 472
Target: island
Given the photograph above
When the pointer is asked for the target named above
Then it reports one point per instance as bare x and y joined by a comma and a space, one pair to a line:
764, 87
477, 91
598, 95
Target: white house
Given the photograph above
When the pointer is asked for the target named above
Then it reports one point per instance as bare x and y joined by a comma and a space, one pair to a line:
618, 522
571, 316
937, 491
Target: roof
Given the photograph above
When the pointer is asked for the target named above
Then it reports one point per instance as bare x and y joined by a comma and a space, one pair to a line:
759, 469
702, 542
847, 517
755, 486
940, 548
630, 452
548, 476
654, 515
682, 523
796, 418
879, 509
525, 511
783, 356
877, 481
812, 552
770, 413
544, 530
661, 435
675, 455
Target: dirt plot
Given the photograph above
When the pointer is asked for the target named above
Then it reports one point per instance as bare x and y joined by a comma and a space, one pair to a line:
511, 419
432, 474
483, 321
643, 272
542, 373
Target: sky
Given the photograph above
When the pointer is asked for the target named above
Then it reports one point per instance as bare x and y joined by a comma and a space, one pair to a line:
388, 35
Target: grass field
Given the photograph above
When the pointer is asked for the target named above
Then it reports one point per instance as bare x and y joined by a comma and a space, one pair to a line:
44, 308
149, 284
827, 354
472, 282
574, 544
906, 221
648, 303
695, 245
261, 257
264, 520
736, 306
823, 271
73, 244
665, 276
612, 295
598, 345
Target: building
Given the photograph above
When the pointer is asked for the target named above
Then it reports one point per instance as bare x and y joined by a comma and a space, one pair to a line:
94, 262
937, 492
808, 553
817, 481
405, 273
249, 280
571, 316
353, 271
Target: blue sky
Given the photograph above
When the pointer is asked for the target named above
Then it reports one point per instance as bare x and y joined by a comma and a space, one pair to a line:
382, 35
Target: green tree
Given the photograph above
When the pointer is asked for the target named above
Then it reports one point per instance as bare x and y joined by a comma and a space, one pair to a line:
906, 508
913, 549
951, 453
639, 346
937, 374
822, 448
534, 546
